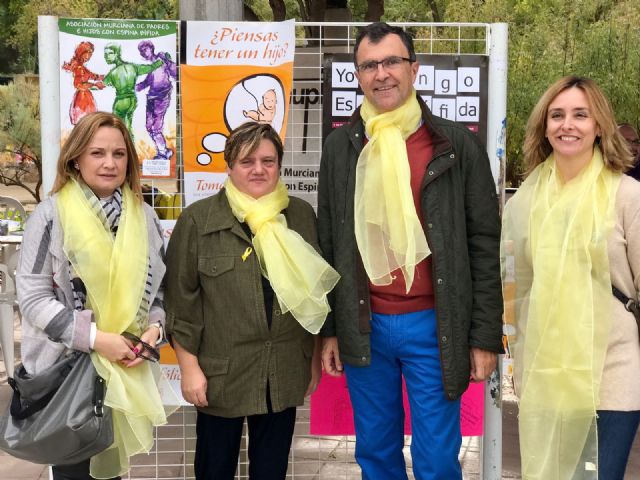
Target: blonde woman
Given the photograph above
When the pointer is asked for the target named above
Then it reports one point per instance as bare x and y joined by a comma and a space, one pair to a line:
573, 229
89, 279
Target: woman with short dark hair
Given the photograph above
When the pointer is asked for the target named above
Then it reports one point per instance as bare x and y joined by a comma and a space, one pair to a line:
246, 293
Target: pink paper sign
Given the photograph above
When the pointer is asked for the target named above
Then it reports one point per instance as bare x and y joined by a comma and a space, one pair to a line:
331, 412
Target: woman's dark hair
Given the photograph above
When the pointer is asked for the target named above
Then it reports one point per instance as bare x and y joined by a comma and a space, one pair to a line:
245, 139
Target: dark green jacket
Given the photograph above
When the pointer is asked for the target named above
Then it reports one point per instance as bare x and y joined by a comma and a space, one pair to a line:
215, 310
462, 225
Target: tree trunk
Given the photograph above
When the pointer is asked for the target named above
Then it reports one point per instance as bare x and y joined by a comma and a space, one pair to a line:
375, 9
315, 13
279, 10
248, 15
317, 10
434, 11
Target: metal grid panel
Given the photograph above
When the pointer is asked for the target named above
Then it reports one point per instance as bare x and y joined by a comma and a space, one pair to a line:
312, 457
303, 142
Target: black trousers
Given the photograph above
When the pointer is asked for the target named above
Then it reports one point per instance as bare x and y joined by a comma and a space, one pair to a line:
218, 445
79, 471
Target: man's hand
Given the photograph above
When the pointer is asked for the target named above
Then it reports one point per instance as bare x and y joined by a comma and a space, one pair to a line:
483, 363
331, 356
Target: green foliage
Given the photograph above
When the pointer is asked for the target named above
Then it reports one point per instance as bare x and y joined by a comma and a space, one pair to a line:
9, 59
146, 10
262, 9
552, 38
408, 10
20, 154
547, 39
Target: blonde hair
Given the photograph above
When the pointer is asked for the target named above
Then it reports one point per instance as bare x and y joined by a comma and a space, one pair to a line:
78, 142
615, 152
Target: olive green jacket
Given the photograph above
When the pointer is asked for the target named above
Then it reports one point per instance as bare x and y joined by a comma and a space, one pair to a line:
462, 227
215, 310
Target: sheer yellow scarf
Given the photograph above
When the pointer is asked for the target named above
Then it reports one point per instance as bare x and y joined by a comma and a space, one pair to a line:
387, 228
558, 234
299, 276
114, 272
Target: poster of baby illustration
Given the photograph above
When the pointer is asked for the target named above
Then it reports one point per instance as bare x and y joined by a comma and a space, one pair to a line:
234, 72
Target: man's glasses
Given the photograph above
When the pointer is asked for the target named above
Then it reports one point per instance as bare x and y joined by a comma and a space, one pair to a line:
148, 352
388, 63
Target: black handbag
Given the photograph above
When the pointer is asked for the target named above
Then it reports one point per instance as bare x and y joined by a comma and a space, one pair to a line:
58, 416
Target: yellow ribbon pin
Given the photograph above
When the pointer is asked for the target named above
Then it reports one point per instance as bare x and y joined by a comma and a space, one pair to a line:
246, 253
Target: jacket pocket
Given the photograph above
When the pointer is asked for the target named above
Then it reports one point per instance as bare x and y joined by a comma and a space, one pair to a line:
294, 371
215, 369
215, 266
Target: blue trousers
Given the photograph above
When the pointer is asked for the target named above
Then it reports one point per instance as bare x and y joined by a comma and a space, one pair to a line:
404, 345
616, 431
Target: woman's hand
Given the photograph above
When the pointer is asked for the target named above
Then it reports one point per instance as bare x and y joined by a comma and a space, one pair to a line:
113, 347
194, 386
150, 336
316, 374
316, 367
193, 382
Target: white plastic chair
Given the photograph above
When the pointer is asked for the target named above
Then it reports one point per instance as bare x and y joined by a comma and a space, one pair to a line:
7, 301
12, 209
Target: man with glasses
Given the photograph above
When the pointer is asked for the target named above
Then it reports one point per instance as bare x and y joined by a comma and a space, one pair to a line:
408, 215
631, 136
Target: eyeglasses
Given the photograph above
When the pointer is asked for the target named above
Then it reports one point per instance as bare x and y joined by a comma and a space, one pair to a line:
389, 63
152, 353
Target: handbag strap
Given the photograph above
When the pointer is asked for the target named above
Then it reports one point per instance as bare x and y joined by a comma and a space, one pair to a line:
629, 304
99, 389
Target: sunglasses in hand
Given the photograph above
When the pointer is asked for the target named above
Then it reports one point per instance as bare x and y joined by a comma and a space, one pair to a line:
148, 352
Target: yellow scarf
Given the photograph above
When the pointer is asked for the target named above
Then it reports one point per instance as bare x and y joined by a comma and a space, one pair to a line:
299, 276
388, 231
114, 272
558, 235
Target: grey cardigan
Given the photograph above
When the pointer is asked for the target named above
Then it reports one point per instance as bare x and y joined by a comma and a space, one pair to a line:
50, 325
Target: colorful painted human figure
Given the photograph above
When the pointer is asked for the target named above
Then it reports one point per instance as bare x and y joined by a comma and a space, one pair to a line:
123, 78
84, 80
159, 82
266, 111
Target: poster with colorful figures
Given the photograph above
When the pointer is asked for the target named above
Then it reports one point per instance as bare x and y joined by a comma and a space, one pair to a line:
129, 68
234, 72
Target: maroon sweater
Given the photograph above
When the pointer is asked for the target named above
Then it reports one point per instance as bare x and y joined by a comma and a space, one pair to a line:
392, 299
